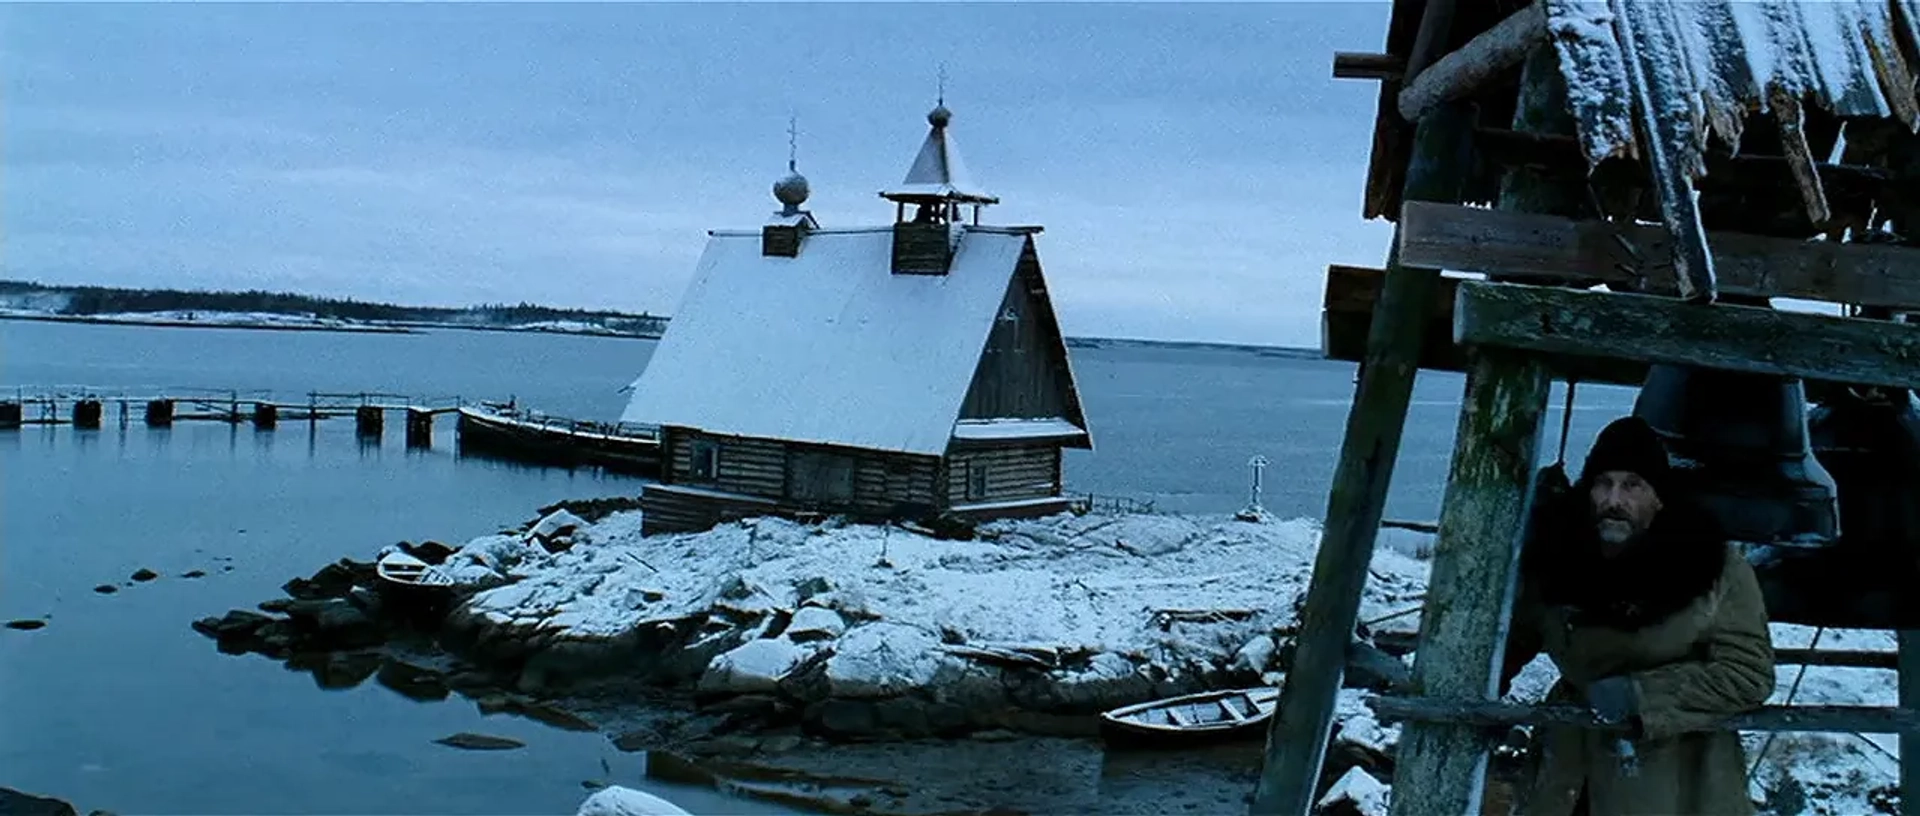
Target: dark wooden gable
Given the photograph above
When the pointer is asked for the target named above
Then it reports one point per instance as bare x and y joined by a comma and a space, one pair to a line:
1023, 369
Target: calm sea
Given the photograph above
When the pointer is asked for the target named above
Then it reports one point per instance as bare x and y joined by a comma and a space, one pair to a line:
117, 704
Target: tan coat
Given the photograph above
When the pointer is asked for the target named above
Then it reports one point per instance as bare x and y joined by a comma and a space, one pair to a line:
1711, 660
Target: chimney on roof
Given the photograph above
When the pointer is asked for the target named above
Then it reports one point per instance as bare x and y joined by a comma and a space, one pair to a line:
936, 186
784, 232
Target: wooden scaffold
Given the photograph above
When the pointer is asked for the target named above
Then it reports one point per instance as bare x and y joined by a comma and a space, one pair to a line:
1697, 168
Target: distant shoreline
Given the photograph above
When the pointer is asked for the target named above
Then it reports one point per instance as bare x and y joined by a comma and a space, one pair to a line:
407, 327
186, 324
417, 327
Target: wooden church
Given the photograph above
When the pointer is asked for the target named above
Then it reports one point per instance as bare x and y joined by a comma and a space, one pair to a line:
899, 372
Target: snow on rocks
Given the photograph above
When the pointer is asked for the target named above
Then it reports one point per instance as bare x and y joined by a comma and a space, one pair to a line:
619, 801
556, 530
754, 667
1062, 615
1356, 794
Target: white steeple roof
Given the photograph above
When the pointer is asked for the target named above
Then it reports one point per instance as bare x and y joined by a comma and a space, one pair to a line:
937, 173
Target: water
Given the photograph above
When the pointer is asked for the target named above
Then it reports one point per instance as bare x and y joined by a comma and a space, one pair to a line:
117, 704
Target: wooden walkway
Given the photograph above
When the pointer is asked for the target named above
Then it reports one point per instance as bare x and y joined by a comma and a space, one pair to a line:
88, 407
487, 426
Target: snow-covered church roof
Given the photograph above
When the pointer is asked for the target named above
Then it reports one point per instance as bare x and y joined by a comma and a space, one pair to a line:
1726, 57
830, 346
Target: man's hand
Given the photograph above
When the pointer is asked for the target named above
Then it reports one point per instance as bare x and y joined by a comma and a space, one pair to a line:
1613, 699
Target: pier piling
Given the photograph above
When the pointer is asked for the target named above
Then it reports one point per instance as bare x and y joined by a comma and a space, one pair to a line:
86, 414
160, 413
419, 428
368, 420
266, 415
10, 415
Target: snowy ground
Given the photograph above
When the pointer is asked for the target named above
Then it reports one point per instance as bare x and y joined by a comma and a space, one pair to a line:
1088, 599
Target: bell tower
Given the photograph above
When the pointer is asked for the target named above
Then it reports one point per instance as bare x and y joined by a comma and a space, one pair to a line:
927, 216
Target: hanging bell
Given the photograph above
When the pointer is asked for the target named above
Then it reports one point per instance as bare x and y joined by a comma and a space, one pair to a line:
1869, 440
1740, 442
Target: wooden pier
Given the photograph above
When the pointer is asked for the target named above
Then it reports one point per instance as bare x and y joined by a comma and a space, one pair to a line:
87, 408
483, 428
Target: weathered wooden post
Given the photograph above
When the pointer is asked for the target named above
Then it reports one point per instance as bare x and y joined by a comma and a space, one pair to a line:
266, 416
1463, 627
1909, 740
368, 420
419, 428
1303, 719
86, 414
159, 413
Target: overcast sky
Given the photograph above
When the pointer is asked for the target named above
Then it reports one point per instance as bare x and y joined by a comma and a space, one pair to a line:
1196, 166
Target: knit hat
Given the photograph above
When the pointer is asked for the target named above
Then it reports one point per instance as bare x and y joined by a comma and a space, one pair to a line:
1630, 444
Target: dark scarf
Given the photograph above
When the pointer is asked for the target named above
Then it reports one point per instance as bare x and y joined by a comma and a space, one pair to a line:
1676, 562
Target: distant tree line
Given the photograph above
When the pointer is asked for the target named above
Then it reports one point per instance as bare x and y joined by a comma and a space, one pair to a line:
93, 300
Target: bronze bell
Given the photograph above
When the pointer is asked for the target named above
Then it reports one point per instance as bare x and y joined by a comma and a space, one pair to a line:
1740, 441
1869, 440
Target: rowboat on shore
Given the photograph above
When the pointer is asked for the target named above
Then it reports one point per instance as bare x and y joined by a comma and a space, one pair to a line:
1204, 717
399, 570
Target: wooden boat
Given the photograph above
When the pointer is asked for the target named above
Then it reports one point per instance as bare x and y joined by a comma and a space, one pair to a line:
403, 571
507, 431
1203, 717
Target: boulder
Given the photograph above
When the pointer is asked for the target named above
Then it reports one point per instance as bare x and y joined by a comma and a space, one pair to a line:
335, 623
332, 581
412, 682
1356, 794
619, 801
1256, 656
480, 742
16, 803
883, 660
813, 623
238, 624
754, 667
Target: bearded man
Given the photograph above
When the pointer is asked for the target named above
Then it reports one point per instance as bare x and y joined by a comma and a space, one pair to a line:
1656, 622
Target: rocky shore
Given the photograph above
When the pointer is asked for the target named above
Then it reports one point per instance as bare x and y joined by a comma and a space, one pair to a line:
735, 656
19, 803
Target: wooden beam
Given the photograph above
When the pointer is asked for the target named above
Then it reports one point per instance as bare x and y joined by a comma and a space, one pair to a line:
1654, 329
1458, 74
1356, 289
1442, 236
1351, 65
1660, 136
1400, 643
1561, 154
1469, 597
1488, 714
1302, 720
1792, 120
1352, 291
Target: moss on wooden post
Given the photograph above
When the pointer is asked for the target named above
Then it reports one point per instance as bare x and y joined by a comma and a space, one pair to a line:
1464, 626
1297, 735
